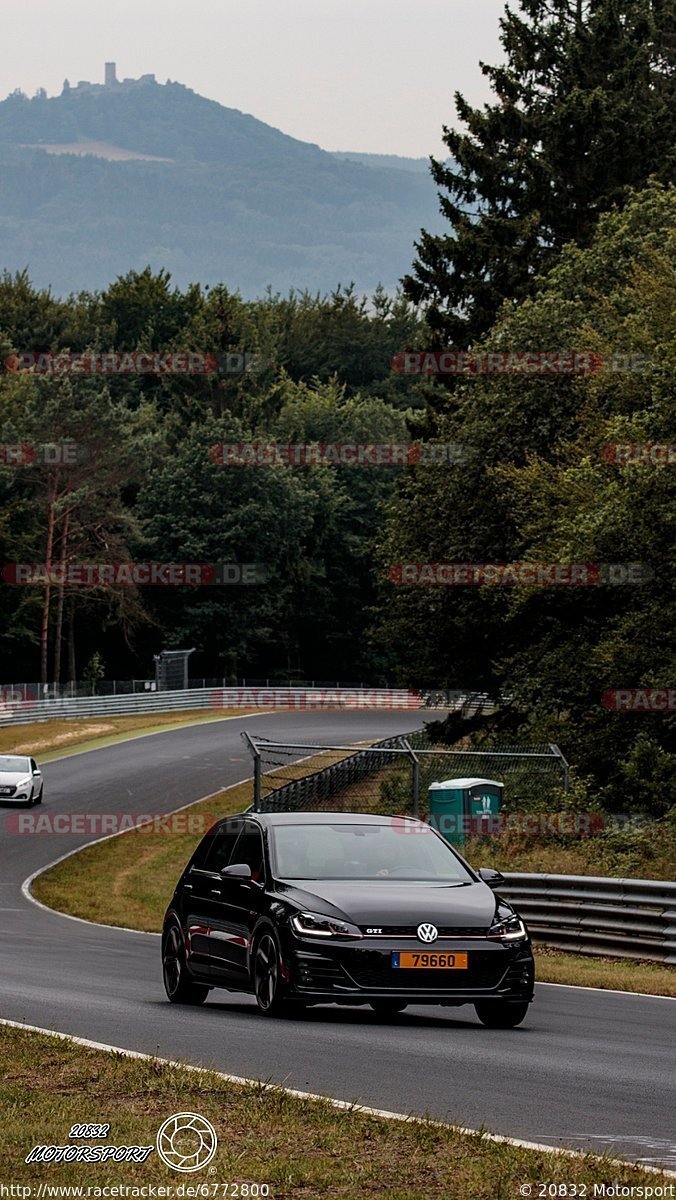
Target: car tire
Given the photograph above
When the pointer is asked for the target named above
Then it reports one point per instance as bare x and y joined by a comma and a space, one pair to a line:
39, 799
178, 985
268, 985
388, 1008
500, 1014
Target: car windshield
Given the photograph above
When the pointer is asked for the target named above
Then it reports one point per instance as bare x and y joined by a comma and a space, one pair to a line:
9, 762
373, 852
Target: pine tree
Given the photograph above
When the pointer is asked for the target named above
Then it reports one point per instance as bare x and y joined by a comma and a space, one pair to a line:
585, 111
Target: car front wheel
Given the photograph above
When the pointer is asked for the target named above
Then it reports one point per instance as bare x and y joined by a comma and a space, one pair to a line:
178, 985
500, 1014
267, 976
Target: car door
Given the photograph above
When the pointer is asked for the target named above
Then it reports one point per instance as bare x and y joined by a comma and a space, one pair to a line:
238, 909
202, 891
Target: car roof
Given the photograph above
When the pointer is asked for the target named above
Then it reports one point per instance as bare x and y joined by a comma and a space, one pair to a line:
270, 819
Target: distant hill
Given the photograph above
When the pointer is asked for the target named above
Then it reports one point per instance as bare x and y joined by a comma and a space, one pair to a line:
384, 160
227, 197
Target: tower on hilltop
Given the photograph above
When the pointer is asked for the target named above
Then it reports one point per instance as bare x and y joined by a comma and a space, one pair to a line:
111, 74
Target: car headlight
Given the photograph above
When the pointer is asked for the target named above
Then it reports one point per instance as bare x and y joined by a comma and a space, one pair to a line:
508, 929
23, 783
309, 924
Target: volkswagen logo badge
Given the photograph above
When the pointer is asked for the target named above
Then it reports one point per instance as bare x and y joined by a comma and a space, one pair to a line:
428, 933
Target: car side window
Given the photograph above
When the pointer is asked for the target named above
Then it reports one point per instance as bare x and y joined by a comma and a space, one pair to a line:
34, 765
219, 853
249, 850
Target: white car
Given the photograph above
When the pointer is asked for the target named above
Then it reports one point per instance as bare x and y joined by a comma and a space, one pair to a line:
21, 780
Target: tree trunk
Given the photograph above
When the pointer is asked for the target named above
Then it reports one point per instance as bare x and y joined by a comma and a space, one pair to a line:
44, 630
72, 675
61, 596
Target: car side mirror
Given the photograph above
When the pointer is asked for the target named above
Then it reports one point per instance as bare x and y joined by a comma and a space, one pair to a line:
490, 877
37, 771
240, 871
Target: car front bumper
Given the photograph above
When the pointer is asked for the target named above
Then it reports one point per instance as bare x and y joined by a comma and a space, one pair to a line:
357, 972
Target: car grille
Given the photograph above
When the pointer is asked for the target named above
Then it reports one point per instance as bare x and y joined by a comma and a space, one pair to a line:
459, 931
373, 970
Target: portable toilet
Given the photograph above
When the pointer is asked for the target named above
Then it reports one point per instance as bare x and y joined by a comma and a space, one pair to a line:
462, 806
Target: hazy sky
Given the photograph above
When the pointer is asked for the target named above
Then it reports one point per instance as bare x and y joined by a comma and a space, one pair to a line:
376, 75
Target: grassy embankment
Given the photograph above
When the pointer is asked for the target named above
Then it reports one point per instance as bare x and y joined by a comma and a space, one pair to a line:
299, 1148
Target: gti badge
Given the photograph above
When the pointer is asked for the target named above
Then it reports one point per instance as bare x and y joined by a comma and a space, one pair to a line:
427, 933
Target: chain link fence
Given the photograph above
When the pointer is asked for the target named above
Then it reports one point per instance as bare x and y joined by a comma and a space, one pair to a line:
392, 776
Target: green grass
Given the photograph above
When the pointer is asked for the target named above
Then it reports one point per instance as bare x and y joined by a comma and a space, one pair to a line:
621, 974
302, 1149
140, 869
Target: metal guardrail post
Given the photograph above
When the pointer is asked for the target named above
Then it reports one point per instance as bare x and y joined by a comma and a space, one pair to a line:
415, 780
564, 764
257, 771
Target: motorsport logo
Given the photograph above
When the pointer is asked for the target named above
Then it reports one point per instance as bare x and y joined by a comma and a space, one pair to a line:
185, 1142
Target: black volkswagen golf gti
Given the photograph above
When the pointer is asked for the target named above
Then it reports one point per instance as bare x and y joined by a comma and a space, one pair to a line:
343, 908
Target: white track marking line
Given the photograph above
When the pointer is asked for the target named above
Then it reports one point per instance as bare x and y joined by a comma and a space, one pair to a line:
346, 1105
28, 883
580, 987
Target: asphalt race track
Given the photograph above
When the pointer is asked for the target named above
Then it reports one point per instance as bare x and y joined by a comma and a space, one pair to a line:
588, 1070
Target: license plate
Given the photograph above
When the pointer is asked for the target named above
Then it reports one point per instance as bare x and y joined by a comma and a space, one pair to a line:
4, 791
428, 960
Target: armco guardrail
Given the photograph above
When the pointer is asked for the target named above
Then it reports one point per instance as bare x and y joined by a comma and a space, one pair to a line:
23, 712
621, 918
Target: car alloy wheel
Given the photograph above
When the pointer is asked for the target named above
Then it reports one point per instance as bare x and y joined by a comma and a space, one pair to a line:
179, 987
268, 986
